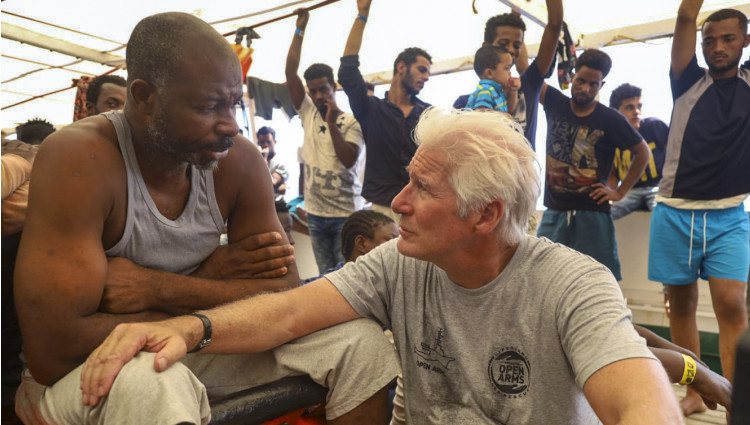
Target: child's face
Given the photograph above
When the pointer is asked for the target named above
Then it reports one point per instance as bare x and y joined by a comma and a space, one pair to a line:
501, 73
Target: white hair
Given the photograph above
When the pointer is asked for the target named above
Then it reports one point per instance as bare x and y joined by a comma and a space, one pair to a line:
488, 160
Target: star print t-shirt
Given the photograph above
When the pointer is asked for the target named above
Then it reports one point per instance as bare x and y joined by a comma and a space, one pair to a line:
515, 351
331, 189
580, 151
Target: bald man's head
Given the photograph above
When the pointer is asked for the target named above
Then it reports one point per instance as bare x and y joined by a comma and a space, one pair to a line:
161, 44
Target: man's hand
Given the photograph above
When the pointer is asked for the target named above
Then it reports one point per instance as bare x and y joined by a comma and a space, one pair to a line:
251, 258
364, 6
125, 341
303, 15
332, 111
603, 193
125, 290
713, 388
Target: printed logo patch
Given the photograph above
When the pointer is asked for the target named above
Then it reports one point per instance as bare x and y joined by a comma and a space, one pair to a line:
509, 372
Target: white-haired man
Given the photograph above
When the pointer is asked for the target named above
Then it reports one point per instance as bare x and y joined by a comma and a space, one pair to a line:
491, 325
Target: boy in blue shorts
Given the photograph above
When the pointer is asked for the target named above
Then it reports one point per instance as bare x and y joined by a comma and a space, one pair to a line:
699, 227
497, 89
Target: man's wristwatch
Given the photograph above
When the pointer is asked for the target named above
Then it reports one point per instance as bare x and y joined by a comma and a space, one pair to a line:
206, 340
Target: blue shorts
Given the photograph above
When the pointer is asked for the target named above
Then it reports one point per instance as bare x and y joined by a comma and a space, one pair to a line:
686, 244
589, 232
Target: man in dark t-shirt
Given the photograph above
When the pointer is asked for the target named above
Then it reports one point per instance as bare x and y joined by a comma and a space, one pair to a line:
507, 30
626, 98
582, 136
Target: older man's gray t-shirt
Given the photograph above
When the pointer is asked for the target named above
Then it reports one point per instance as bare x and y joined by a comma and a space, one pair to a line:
516, 351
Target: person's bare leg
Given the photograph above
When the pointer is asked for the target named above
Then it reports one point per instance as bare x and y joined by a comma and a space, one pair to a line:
374, 410
683, 303
728, 298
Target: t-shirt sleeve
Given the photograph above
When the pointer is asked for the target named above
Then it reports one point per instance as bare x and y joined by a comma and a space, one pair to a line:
661, 131
353, 133
280, 169
624, 135
692, 73
461, 101
552, 99
531, 82
365, 283
307, 108
16, 171
595, 325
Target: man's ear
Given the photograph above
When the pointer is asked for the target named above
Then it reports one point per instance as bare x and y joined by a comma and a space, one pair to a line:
747, 41
90, 107
490, 217
143, 95
401, 68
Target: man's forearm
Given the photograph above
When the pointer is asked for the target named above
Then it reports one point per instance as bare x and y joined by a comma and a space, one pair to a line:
179, 294
293, 56
354, 41
346, 152
640, 161
512, 101
689, 10
266, 321
550, 36
294, 83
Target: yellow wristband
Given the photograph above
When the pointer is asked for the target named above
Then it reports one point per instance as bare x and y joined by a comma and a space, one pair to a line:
691, 369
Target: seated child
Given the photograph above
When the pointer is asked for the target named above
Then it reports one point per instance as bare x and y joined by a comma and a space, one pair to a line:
497, 90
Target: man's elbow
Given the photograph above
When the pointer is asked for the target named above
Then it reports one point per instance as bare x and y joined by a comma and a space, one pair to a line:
48, 363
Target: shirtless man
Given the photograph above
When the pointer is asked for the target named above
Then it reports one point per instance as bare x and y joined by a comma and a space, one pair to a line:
124, 223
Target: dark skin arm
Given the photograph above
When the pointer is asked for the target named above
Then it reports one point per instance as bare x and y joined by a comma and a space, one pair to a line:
713, 387
61, 268
550, 36
245, 195
613, 180
603, 193
346, 152
683, 43
354, 41
293, 82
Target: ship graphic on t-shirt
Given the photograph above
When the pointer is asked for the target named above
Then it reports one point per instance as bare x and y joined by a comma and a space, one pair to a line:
433, 357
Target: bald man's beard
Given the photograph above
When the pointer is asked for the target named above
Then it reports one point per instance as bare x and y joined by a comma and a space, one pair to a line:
164, 143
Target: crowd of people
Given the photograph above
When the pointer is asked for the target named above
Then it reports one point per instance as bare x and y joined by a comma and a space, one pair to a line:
131, 310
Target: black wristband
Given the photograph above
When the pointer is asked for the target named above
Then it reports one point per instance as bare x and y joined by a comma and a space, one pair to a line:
203, 343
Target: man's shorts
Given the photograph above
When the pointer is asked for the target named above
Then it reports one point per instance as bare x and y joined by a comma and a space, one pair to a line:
588, 232
686, 244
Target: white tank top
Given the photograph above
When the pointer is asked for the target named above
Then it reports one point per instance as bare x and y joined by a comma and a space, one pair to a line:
154, 241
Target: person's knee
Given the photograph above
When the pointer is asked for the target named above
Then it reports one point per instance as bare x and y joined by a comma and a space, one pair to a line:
730, 305
138, 376
144, 395
683, 299
367, 337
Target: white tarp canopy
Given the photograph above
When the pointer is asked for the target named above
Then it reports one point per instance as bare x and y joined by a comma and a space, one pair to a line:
448, 29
